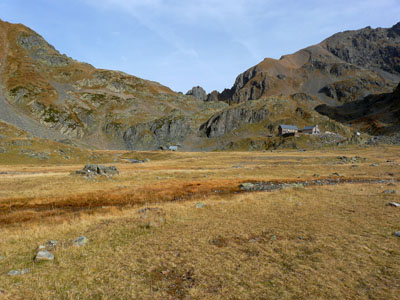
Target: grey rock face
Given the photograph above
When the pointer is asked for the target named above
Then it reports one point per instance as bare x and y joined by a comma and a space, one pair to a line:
213, 96
397, 233
81, 241
231, 119
198, 92
371, 48
153, 135
395, 204
44, 256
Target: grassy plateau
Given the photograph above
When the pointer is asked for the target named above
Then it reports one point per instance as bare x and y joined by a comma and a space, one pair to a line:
180, 227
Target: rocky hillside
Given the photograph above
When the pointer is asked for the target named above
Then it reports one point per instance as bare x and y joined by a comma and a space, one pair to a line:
53, 96
345, 67
375, 114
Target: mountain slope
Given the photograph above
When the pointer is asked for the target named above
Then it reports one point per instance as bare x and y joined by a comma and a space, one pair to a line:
345, 67
375, 114
62, 98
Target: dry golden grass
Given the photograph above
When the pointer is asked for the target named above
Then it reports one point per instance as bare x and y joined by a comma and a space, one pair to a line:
320, 242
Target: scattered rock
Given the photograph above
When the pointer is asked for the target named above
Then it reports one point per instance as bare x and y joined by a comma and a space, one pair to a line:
18, 272
237, 166
81, 241
44, 256
200, 205
3, 150
93, 170
397, 233
2, 257
316, 175
395, 204
374, 165
389, 192
49, 245
335, 174
137, 161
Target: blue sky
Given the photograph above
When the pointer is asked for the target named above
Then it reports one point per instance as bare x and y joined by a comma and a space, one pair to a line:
186, 43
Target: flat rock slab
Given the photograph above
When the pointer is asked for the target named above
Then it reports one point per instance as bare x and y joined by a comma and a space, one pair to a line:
81, 241
389, 192
395, 204
44, 256
397, 233
18, 272
200, 205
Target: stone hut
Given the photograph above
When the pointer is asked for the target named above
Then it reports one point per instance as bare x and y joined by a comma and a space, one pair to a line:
311, 129
288, 129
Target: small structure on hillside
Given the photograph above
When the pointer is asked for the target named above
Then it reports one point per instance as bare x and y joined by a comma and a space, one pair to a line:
173, 148
311, 129
287, 129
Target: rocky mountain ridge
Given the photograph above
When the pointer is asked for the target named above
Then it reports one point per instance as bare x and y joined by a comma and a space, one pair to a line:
51, 95
345, 67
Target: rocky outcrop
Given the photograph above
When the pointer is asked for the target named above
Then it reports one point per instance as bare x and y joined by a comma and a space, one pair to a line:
158, 133
375, 114
345, 67
231, 119
198, 92
376, 49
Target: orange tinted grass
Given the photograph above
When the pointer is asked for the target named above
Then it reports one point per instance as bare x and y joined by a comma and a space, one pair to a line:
23, 210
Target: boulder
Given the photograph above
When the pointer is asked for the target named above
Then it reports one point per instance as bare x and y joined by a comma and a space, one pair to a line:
44, 256
93, 170
395, 204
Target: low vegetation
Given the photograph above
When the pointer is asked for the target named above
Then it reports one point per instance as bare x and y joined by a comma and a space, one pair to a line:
178, 226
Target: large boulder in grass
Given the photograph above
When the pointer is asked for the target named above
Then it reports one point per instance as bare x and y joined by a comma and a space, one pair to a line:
93, 170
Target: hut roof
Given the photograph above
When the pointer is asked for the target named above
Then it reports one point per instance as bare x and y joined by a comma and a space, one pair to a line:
283, 126
309, 127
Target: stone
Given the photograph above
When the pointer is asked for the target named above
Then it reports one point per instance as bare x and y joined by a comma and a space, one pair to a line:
395, 204
138, 161
49, 245
18, 272
93, 170
44, 256
237, 166
200, 205
247, 186
397, 233
2, 257
389, 192
81, 241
